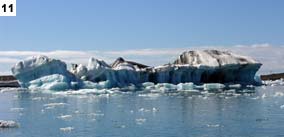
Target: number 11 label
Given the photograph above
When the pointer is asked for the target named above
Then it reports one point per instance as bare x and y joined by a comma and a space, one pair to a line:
8, 8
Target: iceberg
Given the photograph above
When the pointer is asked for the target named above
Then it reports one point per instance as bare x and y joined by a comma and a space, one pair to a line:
190, 68
41, 72
8, 124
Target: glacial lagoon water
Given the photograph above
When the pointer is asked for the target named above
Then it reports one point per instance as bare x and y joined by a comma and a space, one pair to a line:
258, 113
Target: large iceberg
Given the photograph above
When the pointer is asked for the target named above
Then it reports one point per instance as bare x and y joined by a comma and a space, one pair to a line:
41, 72
197, 67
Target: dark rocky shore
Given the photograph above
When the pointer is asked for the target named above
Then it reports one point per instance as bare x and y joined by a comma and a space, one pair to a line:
8, 81
272, 76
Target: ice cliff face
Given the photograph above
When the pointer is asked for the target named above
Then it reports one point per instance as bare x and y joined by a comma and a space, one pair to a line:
208, 66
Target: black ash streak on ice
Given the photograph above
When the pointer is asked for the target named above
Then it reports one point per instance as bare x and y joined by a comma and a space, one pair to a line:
207, 66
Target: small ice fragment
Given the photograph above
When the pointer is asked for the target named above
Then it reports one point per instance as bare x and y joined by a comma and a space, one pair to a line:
52, 107
96, 114
250, 86
236, 86
8, 124
66, 129
54, 104
185, 86
213, 125
17, 109
278, 94
282, 106
141, 109
150, 95
263, 96
140, 121
120, 126
154, 110
255, 98
213, 86
65, 117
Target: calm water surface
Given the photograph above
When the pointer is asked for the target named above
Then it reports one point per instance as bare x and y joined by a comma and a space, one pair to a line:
258, 114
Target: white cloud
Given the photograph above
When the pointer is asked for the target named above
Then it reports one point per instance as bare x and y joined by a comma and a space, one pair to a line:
8, 60
146, 52
272, 57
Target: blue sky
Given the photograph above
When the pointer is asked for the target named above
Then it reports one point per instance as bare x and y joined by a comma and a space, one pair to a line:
152, 32
48, 25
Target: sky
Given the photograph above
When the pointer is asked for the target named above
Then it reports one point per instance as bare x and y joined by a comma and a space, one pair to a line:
137, 24
141, 30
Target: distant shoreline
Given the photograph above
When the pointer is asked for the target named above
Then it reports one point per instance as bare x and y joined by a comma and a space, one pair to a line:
8, 81
273, 76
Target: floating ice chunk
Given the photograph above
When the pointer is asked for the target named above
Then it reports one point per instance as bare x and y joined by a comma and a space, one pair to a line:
85, 92
16, 109
213, 125
38, 98
150, 95
3, 90
144, 110
235, 86
282, 106
140, 121
148, 84
54, 104
154, 110
8, 124
213, 86
185, 86
65, 117
96, 114
278, 94
166, 87
66, 129
255, 98
274, 83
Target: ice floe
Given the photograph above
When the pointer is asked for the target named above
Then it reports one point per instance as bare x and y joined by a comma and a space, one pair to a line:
279, 82
140, 121
8, 124
66, 129
65, 117
53, 105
